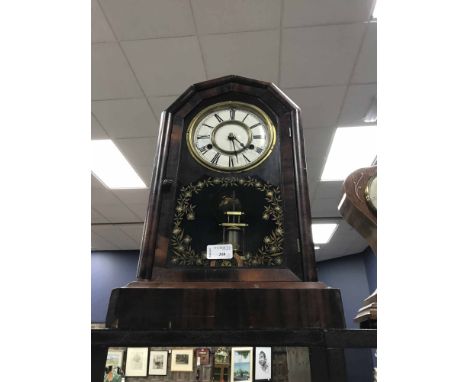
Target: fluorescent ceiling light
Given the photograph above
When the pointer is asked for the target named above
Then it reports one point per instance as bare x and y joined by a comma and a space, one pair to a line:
371, 115
316, 247
111, 168
322, 232
351, 149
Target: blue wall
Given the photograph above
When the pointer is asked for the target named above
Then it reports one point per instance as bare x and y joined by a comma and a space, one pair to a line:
349, 274
109, 270
356, 276
371, 268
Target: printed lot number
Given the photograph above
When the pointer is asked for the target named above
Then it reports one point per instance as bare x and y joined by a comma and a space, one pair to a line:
219, 252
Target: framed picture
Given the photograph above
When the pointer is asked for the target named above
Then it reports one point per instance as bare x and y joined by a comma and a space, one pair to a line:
136, 362
158, 362
182, 360
114, 358
262, 364
204, 355
221, 356
241, 364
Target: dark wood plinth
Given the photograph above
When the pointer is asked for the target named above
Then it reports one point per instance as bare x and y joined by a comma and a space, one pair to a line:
225, 306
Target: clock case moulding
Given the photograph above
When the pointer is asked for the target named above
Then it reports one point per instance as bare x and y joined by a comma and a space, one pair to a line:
287, 295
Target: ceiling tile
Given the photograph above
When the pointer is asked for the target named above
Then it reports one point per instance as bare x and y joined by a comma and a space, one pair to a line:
130, 245
95, 183
159, 104
126, 118
111, 77
132, 196
317, 142
313, 184
139, 209
329, 190
319, 55
340, 247
135, 231
226, 16
166, 66
357, 103
249, 54
116, 213
330, 251
97, 132
316, 145
314, 171
335, 248
345, 241
320, 106
356, 245
299, 13
145, 172
138, 151
114, 235
142, 19
103, 196
100, 244
96, 217
325, 208
100, 30
366, 67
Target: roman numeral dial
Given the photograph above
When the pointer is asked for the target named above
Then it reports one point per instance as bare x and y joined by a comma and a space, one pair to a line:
231, 136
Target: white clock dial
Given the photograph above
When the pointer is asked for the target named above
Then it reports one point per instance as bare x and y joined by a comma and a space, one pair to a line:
231, 136
371, 193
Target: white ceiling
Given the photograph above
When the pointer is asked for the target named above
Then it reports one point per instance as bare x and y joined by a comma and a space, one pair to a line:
145, 53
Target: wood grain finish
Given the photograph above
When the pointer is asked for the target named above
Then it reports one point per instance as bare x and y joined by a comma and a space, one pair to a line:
314, 338
285, 167
354, 207
245, 305
151, 225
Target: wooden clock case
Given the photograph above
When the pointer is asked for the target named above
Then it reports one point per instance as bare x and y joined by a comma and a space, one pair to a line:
165, 296
356, 210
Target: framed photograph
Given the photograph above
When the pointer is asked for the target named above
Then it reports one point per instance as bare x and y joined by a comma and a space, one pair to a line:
158, 362
262, 364
136, 362
182, 360
114, 358
241, 364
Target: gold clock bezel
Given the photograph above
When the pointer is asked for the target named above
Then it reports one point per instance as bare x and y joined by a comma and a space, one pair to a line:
222, 105
369, 201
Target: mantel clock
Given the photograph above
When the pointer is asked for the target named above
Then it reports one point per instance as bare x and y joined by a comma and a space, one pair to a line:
359, 208
227, 239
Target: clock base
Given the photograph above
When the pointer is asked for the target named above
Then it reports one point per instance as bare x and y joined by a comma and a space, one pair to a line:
225, 306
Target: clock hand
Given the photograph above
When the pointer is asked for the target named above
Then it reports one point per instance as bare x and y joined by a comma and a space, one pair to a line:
234, 147
242, 145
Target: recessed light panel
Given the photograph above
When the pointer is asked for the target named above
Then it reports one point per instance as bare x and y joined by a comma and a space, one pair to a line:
352, 148
111, 168
323, 232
